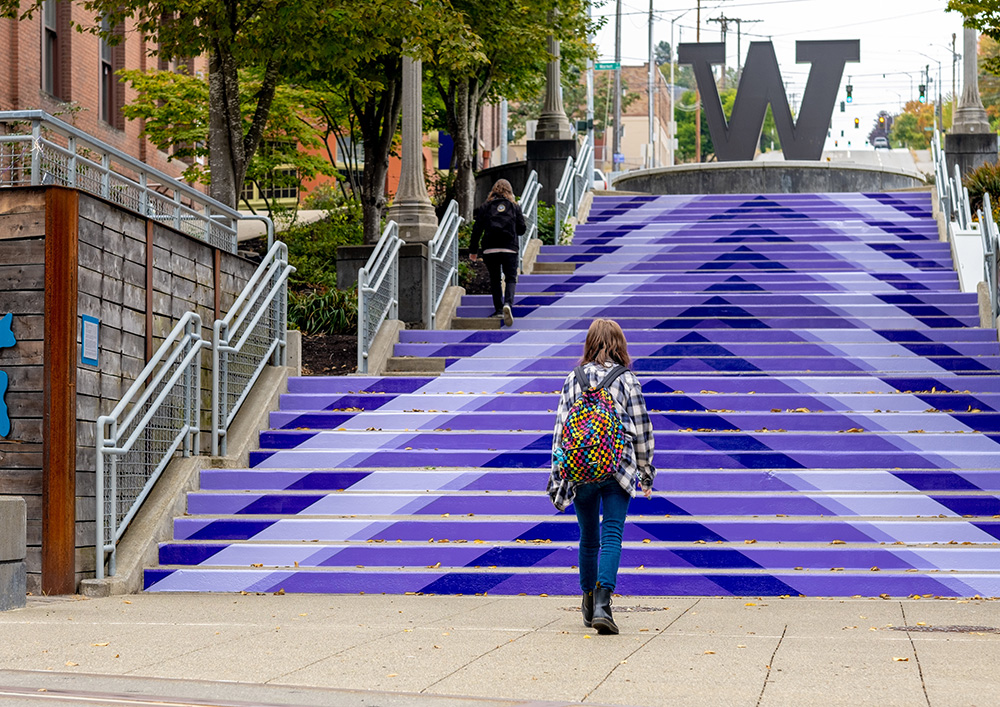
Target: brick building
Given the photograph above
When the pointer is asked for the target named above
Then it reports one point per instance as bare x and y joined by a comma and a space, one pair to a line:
46, 64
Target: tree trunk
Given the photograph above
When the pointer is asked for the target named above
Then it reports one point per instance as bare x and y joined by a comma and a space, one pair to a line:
378, 118
465, 181
225, 129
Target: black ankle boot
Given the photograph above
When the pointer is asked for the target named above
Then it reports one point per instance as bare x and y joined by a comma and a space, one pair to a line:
588, 608
603, 621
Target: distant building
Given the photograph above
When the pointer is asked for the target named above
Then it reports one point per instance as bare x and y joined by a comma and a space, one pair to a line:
635, 121
46, 64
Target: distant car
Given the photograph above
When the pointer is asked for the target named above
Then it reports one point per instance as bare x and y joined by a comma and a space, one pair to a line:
881, 143
600, 181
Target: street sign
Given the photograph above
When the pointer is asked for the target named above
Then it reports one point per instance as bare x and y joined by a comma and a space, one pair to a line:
606, 65
618, 158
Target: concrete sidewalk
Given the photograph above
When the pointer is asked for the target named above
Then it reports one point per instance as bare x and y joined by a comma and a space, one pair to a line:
465, 651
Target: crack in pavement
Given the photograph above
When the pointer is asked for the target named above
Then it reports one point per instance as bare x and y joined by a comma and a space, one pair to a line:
641, 646
916, 658
767, 674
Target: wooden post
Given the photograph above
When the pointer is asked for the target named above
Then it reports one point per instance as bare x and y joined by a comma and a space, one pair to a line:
59, 390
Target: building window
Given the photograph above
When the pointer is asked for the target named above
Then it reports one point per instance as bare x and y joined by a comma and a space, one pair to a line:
282, 188
50, 49
112, 95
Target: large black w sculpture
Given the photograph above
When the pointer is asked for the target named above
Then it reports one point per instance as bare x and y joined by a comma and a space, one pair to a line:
760, 85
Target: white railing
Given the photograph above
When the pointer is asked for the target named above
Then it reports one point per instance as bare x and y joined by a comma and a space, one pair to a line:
583, 176
577, 179
378, 291
252, 334
564, 199
990, 234
974, 242
158, 415
39, 149
442, 261
529, 207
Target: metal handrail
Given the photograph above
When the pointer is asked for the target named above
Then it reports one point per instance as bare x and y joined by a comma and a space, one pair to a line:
583, 177
131, 454
529, 207
37, 158
442, 261
251, 334
378, 291
564, 199
990, 235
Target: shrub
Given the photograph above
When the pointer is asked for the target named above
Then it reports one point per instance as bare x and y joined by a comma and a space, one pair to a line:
546, 223
324, 312
312, 248
984, 180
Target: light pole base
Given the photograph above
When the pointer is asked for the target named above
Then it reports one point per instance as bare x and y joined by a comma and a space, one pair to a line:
416, 218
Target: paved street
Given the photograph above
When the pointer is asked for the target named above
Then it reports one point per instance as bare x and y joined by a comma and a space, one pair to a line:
463, 651
901, 159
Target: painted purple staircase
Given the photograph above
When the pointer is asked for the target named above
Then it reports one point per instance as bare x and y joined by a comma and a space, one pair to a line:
827, 416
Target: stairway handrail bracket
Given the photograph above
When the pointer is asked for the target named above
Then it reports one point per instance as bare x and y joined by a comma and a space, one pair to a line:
378, 290
442, 261
37, 158
251, 334
131, 454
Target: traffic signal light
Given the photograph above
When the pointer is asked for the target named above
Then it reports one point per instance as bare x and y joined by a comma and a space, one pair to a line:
850, 90
881, 121
923, 93
857, 123
843, 107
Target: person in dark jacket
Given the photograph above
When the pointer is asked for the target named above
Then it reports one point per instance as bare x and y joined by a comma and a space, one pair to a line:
497, 223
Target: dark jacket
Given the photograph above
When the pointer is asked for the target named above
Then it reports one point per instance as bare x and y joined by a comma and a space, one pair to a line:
497, 223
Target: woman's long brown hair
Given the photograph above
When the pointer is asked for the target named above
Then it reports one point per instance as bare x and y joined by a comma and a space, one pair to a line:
605, 343
502, 190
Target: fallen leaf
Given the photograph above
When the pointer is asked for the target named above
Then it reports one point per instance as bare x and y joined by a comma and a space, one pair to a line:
71, 664
99, 645
901, 660
709, 652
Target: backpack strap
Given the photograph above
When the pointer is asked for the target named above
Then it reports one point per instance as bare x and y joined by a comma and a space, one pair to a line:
612, 376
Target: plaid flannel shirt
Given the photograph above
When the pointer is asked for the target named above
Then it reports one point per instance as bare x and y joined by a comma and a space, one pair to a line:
636, 467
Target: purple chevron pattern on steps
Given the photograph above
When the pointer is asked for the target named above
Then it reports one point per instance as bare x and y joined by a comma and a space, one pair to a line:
826, 411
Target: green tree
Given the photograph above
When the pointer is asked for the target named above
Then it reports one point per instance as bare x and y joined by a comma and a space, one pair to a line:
912, 127
503, 54
174, 108
276, 38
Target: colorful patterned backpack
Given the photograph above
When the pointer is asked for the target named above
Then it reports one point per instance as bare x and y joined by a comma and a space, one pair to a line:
593, 437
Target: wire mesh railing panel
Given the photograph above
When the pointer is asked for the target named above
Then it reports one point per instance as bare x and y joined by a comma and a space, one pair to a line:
378, 291
57, 153
443, 262
15, 162
156, 418
246, 340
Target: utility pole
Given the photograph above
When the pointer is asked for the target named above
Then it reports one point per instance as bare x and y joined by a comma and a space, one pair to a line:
739, 48
697, 93
954, 90
723, 27
590, 107
651, 153
616, 141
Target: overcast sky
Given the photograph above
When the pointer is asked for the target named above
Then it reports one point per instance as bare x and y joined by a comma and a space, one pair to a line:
895, 35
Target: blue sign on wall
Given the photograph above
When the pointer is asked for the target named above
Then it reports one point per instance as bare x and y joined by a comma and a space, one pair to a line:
6, 341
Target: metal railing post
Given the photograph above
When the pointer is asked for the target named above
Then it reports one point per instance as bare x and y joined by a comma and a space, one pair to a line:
36, 153
362, 322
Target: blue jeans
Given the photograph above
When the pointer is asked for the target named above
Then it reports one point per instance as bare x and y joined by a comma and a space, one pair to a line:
599, 539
